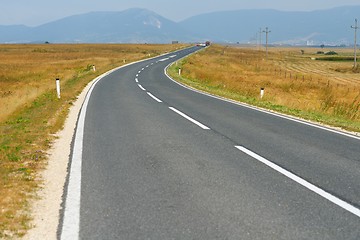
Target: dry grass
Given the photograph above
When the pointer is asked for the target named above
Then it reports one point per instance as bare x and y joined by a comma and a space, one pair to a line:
295, 83
26, 71
31, 113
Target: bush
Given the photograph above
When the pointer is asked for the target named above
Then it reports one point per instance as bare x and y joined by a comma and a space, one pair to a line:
331, 53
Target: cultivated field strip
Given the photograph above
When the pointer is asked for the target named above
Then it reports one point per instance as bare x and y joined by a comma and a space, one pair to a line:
321, 70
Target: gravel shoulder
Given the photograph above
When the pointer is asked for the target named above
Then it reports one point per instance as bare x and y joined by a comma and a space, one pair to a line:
46, 209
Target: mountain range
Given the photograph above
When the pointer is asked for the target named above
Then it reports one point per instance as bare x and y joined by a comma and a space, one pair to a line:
330, 26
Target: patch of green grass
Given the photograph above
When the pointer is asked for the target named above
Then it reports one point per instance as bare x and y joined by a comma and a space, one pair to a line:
12, 157
336, 59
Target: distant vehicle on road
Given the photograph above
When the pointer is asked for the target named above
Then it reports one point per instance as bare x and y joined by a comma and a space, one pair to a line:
207, 43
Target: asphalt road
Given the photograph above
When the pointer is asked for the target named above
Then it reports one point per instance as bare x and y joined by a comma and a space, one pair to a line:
160, 161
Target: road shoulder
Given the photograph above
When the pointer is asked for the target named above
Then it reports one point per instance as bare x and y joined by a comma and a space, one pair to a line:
46, 208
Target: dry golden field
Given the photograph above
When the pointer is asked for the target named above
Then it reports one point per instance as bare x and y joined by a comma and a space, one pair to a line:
304, 84
31, 113
26, 71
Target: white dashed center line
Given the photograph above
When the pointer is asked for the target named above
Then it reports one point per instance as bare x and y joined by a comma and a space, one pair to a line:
141, 87
189, 118
155, 98
310, 186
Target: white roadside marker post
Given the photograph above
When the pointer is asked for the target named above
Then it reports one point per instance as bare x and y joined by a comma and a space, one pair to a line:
58, 87
94, 68
179, 71
262, 92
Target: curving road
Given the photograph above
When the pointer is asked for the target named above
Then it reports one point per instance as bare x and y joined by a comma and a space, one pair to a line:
155, 160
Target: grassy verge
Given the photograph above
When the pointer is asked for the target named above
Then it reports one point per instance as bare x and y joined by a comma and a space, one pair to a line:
31, 114
293, 84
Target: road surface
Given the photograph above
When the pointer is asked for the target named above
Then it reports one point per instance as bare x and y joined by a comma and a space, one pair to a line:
155, 160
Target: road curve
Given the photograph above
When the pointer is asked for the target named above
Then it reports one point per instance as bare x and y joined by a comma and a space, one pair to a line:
155, 160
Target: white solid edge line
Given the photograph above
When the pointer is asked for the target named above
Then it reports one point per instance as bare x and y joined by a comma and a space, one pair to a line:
141, 87
262, 110
190, 119
71, 220
341, 203
155, 98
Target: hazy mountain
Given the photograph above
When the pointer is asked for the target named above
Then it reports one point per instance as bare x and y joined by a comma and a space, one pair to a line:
14, 33
143, 26
324, 26
130, 26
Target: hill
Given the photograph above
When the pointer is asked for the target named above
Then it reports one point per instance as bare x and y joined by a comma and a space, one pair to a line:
324, 26
130, 26
136, 25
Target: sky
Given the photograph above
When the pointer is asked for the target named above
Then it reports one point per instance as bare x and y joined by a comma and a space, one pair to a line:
37, 12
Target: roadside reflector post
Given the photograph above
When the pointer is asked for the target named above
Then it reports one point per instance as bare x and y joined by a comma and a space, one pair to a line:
262, 92
94, 68
179, 71
58, 87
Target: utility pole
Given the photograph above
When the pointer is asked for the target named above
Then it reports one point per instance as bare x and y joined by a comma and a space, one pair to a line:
267, 34
260, 33
355, 28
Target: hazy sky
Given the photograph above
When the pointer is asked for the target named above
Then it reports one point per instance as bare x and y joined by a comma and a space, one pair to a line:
36, 12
